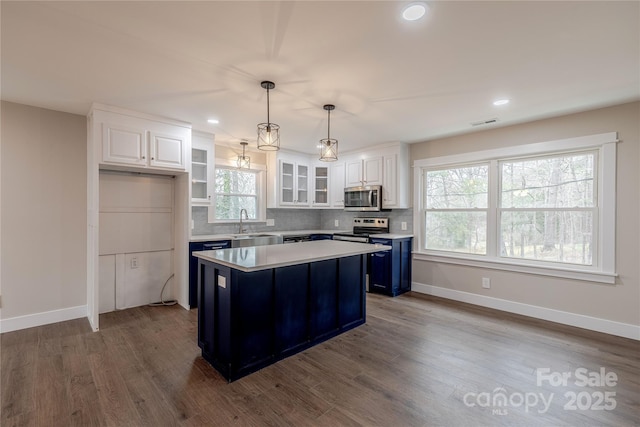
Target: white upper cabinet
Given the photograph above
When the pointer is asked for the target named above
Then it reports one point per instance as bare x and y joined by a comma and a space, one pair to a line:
167, 151
396, 175
131, 141
202, 168
124, 145
337, 184
293, 183
366, 171
321, 186
289, 180
390, 181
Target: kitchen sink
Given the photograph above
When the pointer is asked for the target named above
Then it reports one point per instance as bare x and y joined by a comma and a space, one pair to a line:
244, 240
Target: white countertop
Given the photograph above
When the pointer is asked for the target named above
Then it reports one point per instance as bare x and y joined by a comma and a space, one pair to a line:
215, 237
391, 236
255, 258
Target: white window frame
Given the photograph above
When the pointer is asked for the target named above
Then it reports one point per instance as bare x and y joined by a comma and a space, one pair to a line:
603, 268
260, 171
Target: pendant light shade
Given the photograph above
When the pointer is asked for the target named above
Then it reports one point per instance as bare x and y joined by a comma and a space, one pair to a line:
244, 162
328, 145
268, 133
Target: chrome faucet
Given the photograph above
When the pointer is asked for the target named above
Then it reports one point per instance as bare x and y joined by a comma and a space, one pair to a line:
241, 229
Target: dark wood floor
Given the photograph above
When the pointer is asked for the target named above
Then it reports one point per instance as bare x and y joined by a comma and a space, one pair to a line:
418, 361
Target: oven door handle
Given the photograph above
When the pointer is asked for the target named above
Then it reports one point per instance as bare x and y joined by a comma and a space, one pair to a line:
370, 198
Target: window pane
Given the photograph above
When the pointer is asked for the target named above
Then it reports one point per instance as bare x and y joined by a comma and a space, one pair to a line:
457, 231
460, 188
228, 207
235, 190
229, 181
549, 182
548, 236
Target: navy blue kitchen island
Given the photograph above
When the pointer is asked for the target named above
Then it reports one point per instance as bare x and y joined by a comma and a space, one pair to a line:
258, 305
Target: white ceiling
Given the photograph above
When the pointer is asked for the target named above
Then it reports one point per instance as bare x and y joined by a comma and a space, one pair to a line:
390, 80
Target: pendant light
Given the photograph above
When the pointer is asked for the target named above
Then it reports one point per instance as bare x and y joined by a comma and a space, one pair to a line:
268, 133
244, 162
329, 146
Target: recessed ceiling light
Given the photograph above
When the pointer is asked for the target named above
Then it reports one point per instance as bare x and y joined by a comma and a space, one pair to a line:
213, 121
501, 102
414, 11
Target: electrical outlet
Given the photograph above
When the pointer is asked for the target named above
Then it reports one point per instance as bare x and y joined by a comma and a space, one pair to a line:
271, 222
403, 224
336, 223
134, 262
486, 283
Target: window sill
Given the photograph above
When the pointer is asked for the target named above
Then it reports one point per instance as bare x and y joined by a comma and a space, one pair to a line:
560, 272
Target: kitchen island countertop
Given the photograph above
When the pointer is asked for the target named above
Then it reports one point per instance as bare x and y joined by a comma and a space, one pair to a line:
255, 258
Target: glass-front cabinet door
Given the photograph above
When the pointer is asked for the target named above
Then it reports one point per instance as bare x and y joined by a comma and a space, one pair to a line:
303, 185
321, 186
286, 183
202, 158
294, 184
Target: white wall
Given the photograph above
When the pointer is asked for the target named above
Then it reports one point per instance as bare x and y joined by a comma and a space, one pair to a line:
44, 199
615, 306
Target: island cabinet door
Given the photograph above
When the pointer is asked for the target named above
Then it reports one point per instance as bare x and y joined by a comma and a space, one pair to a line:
324, 298
213, 311
351, 291
252, 319
291, 309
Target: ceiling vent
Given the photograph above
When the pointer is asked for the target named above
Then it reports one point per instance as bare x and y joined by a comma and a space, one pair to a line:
484, 122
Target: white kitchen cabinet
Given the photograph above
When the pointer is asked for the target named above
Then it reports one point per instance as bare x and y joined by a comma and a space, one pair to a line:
337, 182
367, 171
396, 177
294, 183
202, 168
167, 151
390, 181
124, 145
134, 142
321, 187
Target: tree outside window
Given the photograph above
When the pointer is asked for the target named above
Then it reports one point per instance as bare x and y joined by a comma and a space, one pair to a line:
235, 190
548, 207
456, 209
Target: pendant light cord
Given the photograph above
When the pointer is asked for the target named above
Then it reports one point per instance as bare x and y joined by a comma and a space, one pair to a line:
268, 119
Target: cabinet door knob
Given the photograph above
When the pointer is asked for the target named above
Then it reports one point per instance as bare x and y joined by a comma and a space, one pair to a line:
153, 158
143, 157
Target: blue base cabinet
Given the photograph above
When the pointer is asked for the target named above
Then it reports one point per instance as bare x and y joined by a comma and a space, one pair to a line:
193, 265
390, 271
249, 320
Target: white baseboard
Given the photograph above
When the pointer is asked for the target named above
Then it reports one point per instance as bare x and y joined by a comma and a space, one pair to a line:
581, 321
45, 318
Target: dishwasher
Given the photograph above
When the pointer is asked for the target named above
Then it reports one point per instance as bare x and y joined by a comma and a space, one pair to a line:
296, 239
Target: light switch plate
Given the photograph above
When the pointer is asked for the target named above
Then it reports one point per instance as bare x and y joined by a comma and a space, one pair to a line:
271, 222
336, 223
403, 224
222, 281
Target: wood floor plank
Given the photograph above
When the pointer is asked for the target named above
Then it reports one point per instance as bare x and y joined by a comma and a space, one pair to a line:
418, 361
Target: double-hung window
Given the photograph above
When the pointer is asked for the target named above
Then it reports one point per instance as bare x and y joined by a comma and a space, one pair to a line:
236, 189
456, 205
546, 208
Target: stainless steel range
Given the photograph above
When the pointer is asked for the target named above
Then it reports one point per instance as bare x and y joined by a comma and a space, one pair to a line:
363, 228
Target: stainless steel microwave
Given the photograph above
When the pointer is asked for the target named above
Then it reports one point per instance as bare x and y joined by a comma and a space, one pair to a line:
363, 199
